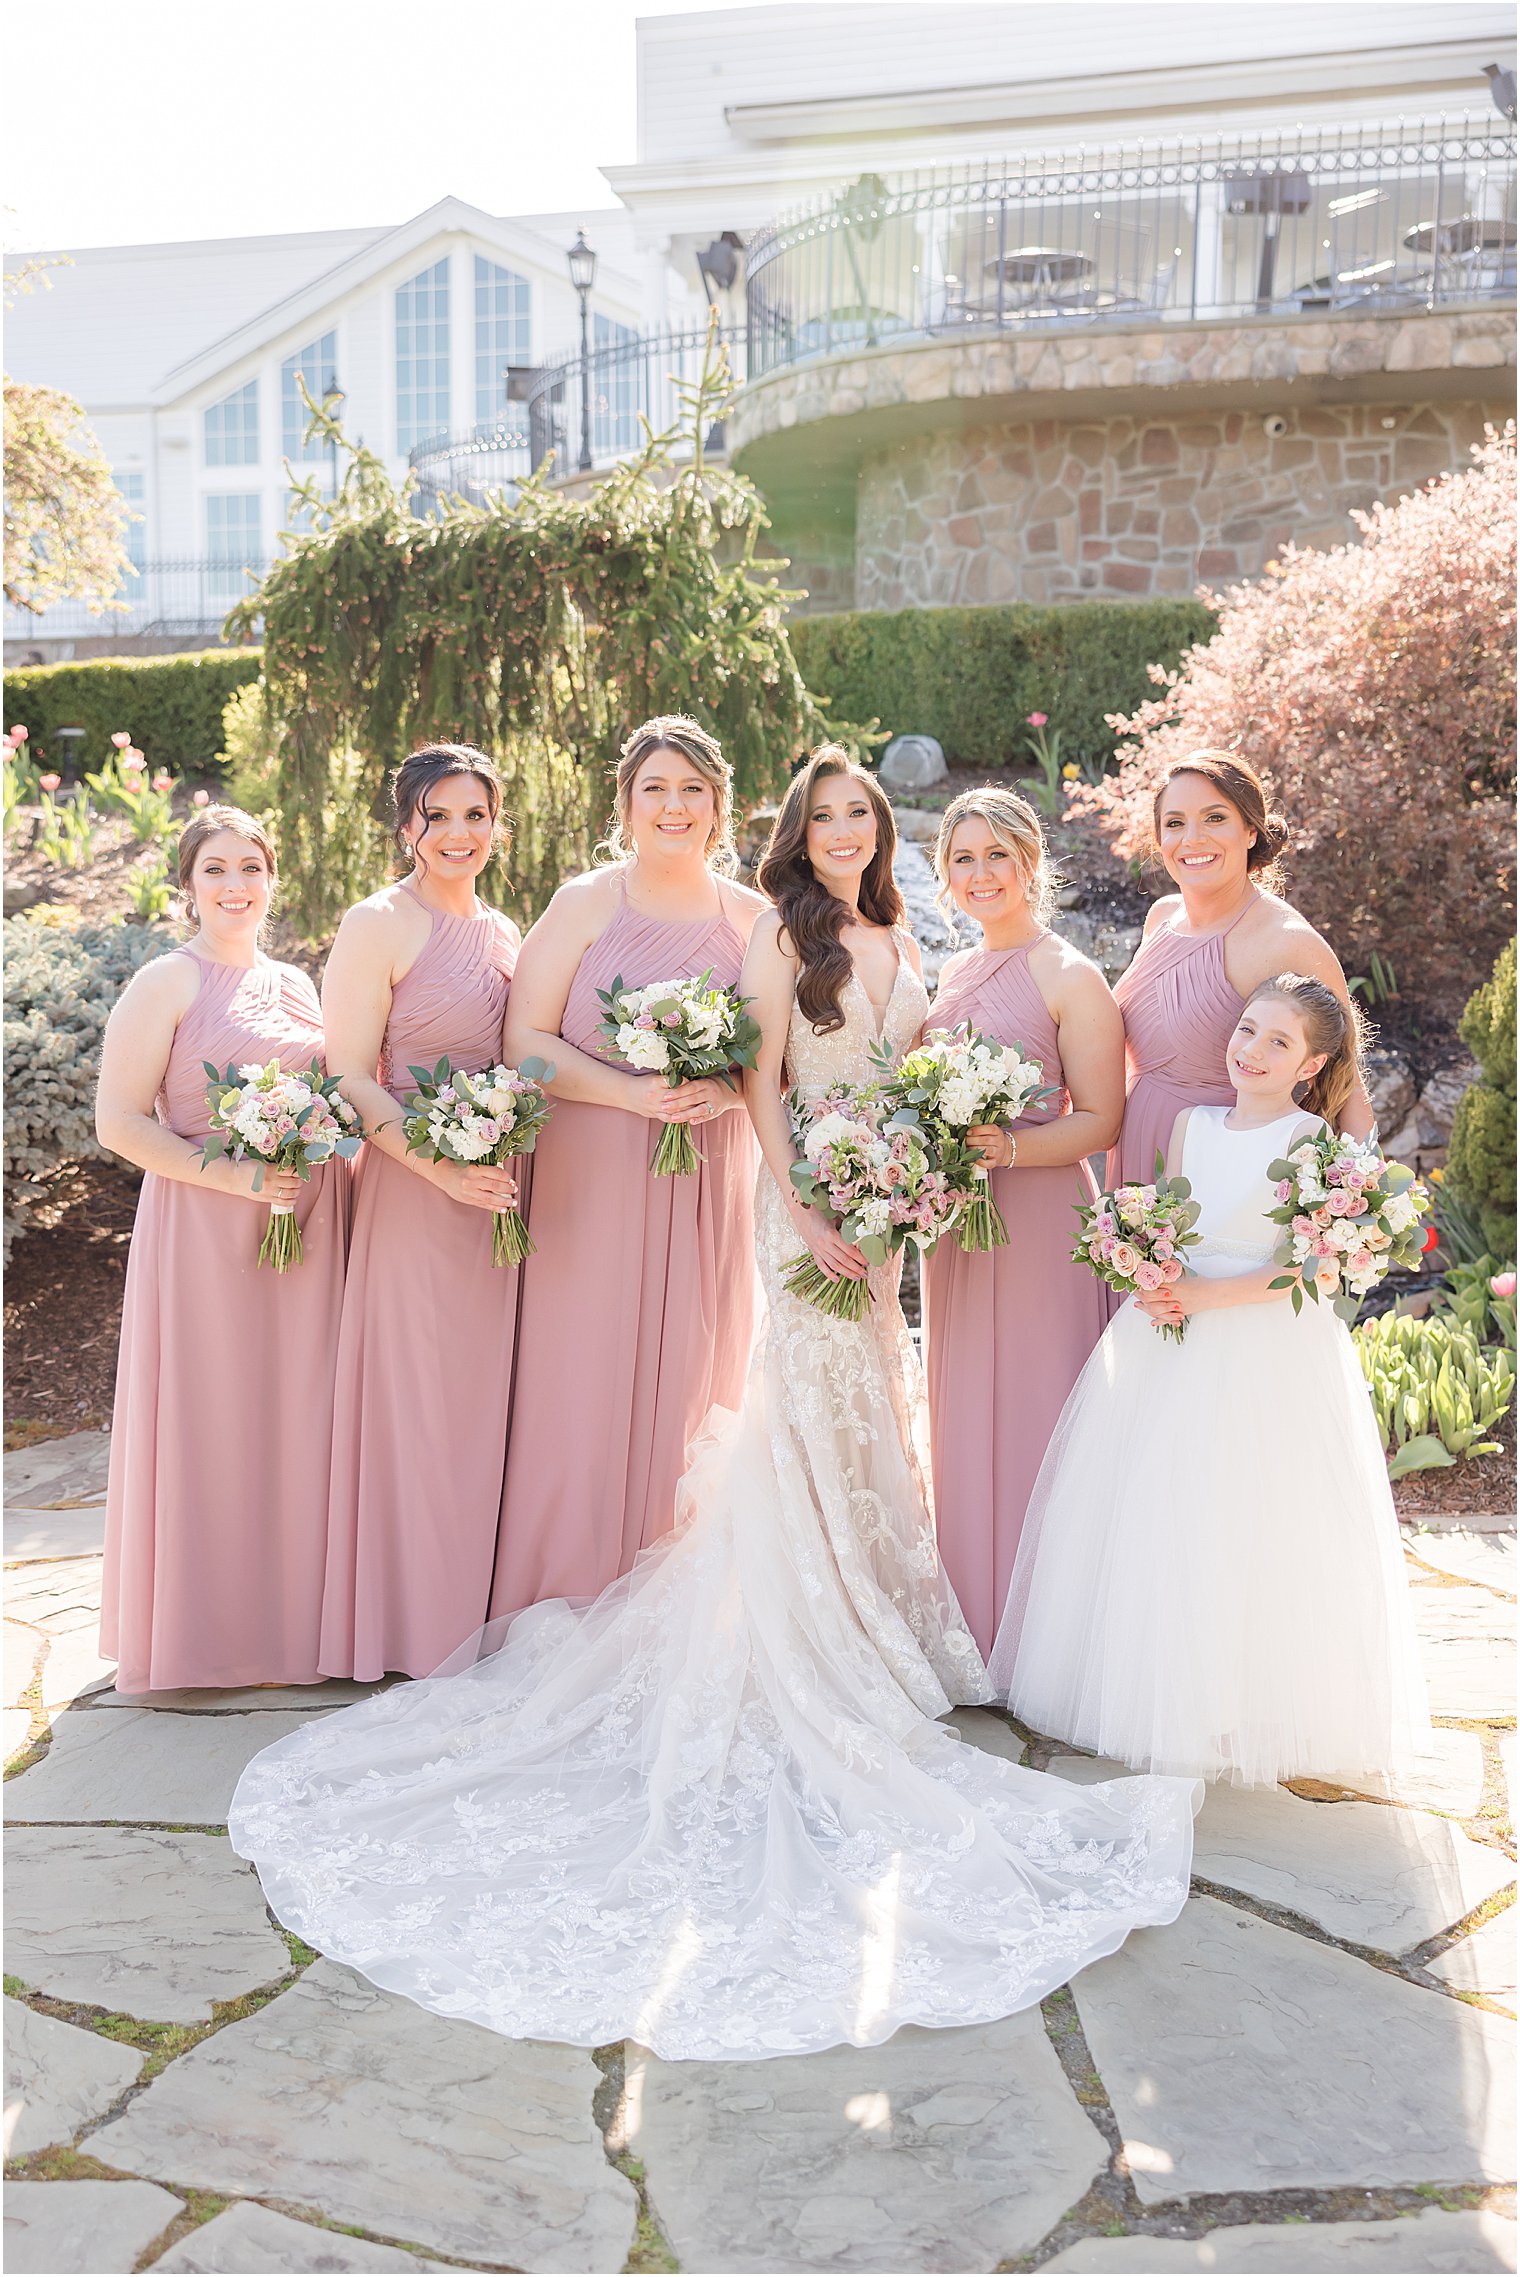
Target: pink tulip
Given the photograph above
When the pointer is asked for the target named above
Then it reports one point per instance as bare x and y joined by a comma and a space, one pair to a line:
19, 734
122, 740
133, 762
50, 782
200, 798
1502, 1285
1038, 719
163, 782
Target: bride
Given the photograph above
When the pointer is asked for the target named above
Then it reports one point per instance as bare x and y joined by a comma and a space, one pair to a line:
713, 1810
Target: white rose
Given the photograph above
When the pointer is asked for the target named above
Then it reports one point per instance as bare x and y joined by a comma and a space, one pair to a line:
1399, 1213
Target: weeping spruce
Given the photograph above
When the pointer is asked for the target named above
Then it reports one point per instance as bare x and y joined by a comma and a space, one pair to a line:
541, 627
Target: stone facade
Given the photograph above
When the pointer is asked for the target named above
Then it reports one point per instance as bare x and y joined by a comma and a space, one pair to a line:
1126, 508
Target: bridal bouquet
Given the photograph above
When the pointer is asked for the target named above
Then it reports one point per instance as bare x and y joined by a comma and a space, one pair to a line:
877, 1175
278, 1122
683, 1030
491, 1116
1349, 1218
953, 1082
1134, 1237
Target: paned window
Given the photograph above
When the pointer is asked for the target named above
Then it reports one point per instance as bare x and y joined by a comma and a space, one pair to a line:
614, 391
234, 540
422, 357
501, 336
132, 485
316, 363
232, 428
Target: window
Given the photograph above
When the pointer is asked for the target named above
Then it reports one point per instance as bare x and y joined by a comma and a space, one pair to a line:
422, 357
233, 540
132, 485
316, 363
614, 391
501, 336
232, 428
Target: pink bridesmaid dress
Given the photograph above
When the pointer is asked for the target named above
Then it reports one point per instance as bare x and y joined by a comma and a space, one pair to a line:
1007, 1331
1179, 1012
638, 1306
216, 1508
424, 1373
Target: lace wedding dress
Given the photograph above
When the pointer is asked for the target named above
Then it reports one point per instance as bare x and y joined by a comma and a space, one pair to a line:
712, 1811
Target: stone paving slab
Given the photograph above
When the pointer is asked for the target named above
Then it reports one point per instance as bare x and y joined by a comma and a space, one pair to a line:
255, 2241
74, 1667
1446, 1776
1489, 1558
58, 1595
55, 1533
1467, 1643
97, 2227
979, 1728
57, 2078
1388, 1879
174, 1770
259, 1699
157, 1925
370, 2110
17, 1726
1433, 2240
1215, 2035
23, 1648
56, 1470
947, 2150
1484, 1961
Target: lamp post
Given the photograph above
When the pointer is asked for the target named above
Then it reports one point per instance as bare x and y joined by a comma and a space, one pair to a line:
332, 403
583, 276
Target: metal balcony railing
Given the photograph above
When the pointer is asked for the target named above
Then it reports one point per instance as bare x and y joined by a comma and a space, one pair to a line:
168, 599
1344, 221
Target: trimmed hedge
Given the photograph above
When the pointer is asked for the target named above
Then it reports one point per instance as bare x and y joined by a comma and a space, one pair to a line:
971, 677
171, 706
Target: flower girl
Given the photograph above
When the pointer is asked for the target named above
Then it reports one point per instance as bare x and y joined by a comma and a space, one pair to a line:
1209, 1579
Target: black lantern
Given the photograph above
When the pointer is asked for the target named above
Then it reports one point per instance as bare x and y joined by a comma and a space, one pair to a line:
582, 260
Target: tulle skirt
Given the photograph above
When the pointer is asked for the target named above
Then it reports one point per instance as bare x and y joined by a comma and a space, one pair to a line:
1210, 1579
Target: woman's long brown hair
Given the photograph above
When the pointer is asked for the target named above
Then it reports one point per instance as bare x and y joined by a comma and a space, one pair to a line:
812, 917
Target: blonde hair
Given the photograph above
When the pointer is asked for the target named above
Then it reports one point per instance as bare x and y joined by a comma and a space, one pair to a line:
1015, 825
1328, 1028
193, 837
673, 731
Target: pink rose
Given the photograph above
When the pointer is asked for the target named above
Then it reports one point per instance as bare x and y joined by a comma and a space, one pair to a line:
50, 782
1340, 1204
1502, 1285
1360, 1261
1284, 1190
1172, 1270
200, 798
488, 1130
1125, 1259
122, 740
1322, 1246
1161, 1251
1038, 719
1303, 1225
1149, 1276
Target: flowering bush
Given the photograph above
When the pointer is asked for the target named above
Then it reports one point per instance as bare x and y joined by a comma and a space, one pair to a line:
1374, 686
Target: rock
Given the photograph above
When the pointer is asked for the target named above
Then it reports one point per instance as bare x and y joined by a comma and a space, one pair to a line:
1432, 2240
1469, 1556
71, 1469
1390, 1086
1467, 1643
158, 1925
1217, 2035
912, 763
1484, 1961
940, 2150
167, 1770
1438, 1101
1389, 1879
373, 2111
915, 876
67, 2226
1111, 947
23, 1648
58, 1595
916, 824
253, 1700
253, 2239
57, 2078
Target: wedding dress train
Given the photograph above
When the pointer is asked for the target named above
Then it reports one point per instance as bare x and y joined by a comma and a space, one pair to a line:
712, 1810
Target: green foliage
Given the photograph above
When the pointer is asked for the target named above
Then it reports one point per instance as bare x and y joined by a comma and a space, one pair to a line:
971, 677
1436, 1393
1469, 1295
542, 628
60, 984
1480, 1164
171, 706
246, 757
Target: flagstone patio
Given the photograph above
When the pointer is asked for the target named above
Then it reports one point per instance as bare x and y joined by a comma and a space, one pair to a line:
1312, 2070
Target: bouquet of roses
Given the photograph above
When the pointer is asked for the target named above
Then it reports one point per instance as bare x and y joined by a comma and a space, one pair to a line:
1134, 1237
683, 1030
952, 1082
875, 1173
278, 1122
1349, 1218
491, 1116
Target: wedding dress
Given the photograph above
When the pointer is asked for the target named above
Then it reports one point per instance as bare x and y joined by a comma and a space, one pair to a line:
712, 1810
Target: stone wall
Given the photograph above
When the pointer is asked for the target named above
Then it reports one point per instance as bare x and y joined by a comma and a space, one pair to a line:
1123, 508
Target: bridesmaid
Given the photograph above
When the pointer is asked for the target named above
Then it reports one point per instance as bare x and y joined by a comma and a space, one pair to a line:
1008, 1331
418, 973
639, 1304
1204, 949
216, 1509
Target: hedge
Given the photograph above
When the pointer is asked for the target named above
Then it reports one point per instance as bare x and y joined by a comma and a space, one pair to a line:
1480, 1164
171, 706
971, 677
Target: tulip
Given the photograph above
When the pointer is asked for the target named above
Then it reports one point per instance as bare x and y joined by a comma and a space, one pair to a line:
1038, 719
18, 734
133, 761
49, 782
121, 739
1070, 771
200, 798
1502, 1285
163, 782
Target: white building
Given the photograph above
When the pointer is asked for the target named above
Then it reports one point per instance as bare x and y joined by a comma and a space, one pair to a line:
186, 357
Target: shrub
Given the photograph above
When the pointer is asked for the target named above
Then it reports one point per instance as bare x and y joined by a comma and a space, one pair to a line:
971, 677
1480, 1164
1436, 1393
171, 706
1374, 686
60, 984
